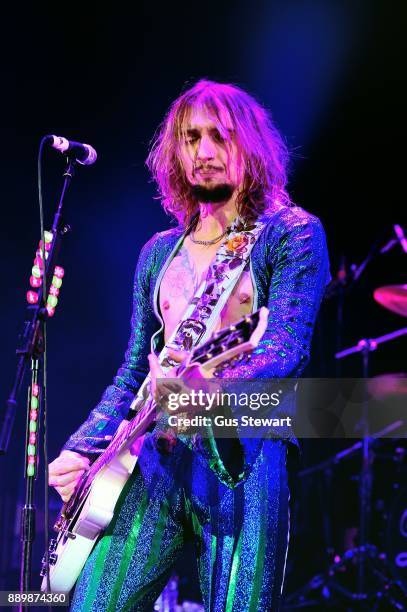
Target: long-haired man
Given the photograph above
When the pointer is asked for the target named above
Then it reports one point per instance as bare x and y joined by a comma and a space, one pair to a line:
220, 164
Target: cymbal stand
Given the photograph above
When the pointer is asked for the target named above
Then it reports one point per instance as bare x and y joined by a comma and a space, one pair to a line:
365, 347
321, 588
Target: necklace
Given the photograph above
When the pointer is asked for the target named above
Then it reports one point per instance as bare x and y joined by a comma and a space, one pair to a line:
208, 242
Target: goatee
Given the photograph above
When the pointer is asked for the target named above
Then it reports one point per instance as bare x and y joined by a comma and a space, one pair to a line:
219, 193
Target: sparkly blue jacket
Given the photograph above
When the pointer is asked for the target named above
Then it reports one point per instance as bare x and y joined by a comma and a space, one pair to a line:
289, 268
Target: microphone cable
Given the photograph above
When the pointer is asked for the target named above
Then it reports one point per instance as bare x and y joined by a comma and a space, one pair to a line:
44, 370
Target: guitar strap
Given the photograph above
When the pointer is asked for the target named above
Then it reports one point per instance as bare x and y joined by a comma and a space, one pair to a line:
212, 294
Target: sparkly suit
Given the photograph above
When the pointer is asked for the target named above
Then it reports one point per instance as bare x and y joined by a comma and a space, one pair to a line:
232, 499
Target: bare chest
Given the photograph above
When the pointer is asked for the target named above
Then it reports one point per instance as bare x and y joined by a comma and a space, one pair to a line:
181, 280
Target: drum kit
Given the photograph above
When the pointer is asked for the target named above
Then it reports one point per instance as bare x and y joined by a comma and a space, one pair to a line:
371, 575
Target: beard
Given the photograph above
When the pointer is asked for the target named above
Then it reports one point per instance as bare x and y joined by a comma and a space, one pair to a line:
218, 193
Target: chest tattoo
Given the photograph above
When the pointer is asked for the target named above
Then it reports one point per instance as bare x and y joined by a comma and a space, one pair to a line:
181, 278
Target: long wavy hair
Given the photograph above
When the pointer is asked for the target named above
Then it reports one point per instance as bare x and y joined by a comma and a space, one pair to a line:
263, 152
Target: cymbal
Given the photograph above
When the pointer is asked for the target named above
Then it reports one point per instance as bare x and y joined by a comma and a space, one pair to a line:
392, 297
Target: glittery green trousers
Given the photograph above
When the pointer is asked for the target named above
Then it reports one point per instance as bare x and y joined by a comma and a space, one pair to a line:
240, 530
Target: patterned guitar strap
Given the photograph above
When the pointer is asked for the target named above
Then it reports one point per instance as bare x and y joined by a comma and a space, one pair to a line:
212, 294
203, 310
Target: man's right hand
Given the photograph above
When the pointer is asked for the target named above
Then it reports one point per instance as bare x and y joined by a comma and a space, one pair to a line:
66, 471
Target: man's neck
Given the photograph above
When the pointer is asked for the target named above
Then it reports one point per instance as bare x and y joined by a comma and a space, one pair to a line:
215, 218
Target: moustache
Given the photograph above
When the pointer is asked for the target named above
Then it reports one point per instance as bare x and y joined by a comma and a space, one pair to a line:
207, 168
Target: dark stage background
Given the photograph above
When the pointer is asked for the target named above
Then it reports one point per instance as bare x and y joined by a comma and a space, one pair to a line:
333, 73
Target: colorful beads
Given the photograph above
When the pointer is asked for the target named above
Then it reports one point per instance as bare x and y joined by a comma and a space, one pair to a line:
32, 297
35, 282
37, 273
32, 430
39, 262
38, 253
56, 282
52, 301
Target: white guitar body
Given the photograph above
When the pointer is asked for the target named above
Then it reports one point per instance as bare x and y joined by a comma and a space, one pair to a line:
90, 510
71, 551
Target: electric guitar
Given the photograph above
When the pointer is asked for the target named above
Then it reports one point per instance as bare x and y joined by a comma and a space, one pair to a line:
90, 509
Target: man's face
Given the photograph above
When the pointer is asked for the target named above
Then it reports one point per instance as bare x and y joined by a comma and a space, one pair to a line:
211, 163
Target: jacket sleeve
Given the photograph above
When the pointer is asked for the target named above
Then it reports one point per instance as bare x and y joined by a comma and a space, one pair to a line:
297, 260
104, 419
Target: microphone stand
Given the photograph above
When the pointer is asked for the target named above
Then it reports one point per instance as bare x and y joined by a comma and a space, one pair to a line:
31, 348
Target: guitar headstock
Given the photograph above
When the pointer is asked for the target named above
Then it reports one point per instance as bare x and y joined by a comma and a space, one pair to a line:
233, 341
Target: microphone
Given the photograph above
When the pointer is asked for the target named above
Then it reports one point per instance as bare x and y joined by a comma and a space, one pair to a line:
83, 153
401, 237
